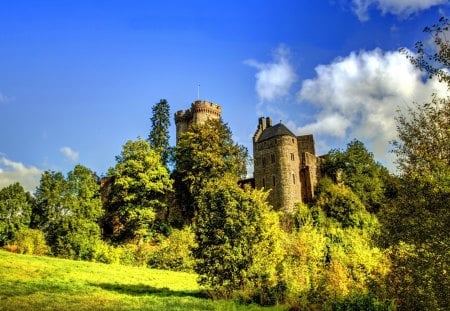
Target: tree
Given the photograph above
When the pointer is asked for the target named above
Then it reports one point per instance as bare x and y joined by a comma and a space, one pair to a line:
416, 225
15, 212
203, 153
435, 63
238, 238
140, 183
356, 168
68, 210
159, 134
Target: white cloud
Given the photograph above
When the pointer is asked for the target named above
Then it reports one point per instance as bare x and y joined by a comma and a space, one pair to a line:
402, 8
69, 153
274, 79
12, 172
358, 96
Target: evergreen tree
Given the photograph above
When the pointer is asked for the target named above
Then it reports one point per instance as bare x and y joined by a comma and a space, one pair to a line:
159, 134
15, 212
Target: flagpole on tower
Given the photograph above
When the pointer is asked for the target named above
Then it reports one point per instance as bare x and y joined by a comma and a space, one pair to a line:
198, 92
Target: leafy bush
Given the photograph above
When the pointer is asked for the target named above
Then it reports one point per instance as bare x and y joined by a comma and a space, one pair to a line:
174, 252
31, 241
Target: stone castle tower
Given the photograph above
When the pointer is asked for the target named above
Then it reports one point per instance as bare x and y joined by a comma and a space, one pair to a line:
199, 113
284, 163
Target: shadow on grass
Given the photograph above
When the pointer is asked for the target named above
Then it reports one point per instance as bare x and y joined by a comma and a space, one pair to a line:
140, 290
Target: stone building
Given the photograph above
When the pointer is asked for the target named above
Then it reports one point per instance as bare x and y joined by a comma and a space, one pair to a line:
284, 163
199, 112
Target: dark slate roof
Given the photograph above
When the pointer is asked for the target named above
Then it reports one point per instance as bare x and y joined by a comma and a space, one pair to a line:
274, 131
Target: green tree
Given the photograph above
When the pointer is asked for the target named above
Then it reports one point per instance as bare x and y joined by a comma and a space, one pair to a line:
203, 153
140, 184
238, 240
434, 62
416, 224
339, 202
68, 211
159, 134
356, 168
15, 212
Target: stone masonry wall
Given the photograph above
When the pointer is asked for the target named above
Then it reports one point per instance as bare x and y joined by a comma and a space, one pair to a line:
277, 168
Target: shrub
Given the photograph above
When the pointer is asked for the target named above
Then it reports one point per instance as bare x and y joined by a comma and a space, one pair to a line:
31, 241
174, 252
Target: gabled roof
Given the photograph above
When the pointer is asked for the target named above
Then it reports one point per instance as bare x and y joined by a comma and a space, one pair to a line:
274, 131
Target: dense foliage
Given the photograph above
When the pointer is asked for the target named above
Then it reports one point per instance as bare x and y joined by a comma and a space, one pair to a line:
203, 153
140, 181
238, 240
356, 168
159, 133
68, 211
15, 212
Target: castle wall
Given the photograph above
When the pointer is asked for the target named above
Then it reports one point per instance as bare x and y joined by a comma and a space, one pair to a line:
276, 167
306, 144
309, 175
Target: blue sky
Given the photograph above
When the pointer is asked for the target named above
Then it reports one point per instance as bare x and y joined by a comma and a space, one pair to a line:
78, 78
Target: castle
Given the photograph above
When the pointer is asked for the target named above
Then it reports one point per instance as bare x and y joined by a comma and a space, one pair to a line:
283, 162
199, 112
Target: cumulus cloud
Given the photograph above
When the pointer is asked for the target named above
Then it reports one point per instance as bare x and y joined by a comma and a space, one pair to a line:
397, 7
12, 172
69, 153
357, 96
274, 79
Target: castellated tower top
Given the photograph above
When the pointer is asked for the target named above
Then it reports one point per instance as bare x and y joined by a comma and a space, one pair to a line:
199, 113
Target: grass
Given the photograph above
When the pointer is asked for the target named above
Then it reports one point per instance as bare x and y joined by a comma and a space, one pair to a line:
43, 283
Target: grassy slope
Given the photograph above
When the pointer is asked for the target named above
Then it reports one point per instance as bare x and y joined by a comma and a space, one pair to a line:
42, 283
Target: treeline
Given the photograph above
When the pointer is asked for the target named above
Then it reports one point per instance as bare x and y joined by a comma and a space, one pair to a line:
369, 241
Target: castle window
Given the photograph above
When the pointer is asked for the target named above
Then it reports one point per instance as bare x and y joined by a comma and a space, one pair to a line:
293, 179
264, 183
292, 157
272, 158
273, 180
264, 162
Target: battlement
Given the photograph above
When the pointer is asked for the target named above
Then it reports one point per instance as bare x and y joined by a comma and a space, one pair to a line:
198, 113
206, 106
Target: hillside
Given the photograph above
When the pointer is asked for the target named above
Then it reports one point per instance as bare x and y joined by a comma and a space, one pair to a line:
42, 283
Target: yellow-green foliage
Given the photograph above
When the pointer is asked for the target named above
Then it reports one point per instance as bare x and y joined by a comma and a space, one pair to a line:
327, 262
42, 283
31, 241
174, 252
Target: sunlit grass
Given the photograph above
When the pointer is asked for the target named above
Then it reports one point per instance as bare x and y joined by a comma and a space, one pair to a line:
42, 283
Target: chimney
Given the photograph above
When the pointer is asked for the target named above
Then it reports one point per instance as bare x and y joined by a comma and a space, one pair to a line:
262, 124
269, 122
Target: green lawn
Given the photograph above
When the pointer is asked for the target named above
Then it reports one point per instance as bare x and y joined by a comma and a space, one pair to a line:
42, 283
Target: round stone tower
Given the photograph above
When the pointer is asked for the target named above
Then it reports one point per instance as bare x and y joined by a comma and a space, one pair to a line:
277, 163
199, 113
